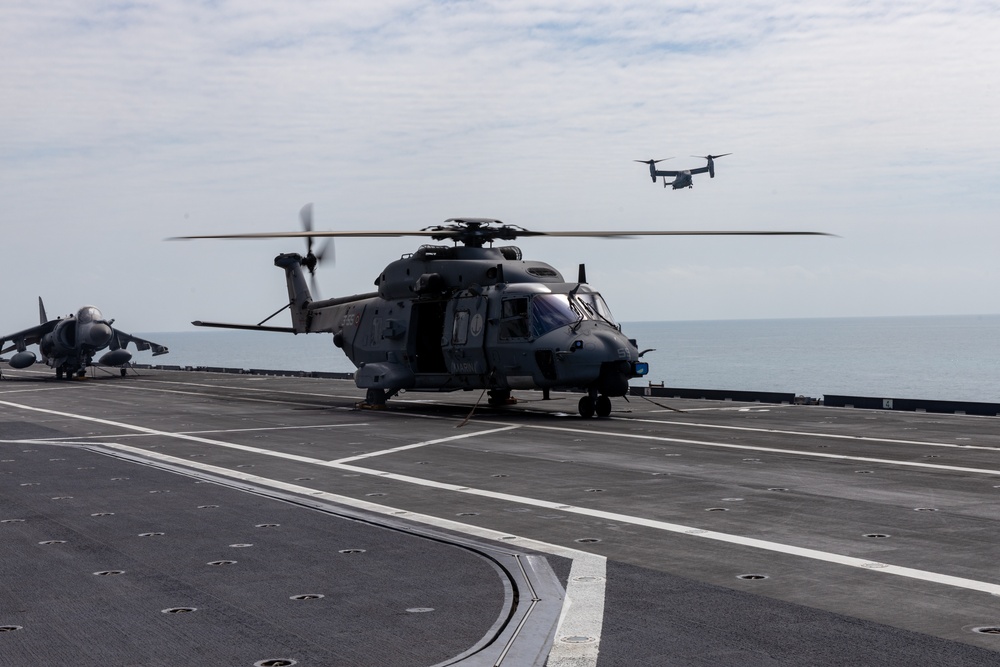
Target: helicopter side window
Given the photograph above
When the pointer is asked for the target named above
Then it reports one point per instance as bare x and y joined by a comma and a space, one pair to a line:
460, 328
514, 318
551, 311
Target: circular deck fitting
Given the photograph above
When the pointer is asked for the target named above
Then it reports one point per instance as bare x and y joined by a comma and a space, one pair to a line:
752, 577
925, 509
62, 498
752, 460
11, 520
595, 490
351, 474
118, 479
303, 479
241, 545
864, 472
731, 500
267, 525
29, 483
508, 537
159, 491
876, 535
109, 573
352, 551
275, 662
10, 628
157, 534
307, 596
716, 509
103, 514
577, 639
777, 488
195, 456
207, 507
85, 468
423, 463
53, 542
178, 610
988, 630
419, 610
671, 454
932, 456
588, 540
500, 475
586, 579
57, 459
374, 495
467, 514
221, 562
245, 465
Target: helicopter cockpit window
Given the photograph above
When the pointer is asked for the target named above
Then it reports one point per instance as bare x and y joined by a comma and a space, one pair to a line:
514, 318
596, 306
551, 311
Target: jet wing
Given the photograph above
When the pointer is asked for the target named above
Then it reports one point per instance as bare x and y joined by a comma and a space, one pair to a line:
26, 337
120, 340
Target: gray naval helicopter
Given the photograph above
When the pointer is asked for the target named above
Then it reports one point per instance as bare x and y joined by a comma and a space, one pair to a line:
468, 316
68, 344
683, 177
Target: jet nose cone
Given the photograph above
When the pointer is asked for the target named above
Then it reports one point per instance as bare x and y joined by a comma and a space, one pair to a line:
96, 335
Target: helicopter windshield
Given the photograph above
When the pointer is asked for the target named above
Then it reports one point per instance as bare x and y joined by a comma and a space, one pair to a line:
596, 306
551, 311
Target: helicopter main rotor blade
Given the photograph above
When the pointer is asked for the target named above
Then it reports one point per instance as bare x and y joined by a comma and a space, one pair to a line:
445, 233
296, 235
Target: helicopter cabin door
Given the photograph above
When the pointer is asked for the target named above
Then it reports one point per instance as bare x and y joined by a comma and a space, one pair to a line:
464, 339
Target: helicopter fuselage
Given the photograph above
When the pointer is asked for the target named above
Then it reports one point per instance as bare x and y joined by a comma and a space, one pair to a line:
450, 318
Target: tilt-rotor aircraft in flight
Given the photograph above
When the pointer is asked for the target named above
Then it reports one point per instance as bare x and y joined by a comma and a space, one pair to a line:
68, 344
470, 316
682, 178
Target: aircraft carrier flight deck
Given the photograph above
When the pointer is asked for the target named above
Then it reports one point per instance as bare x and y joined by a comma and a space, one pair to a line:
178, 517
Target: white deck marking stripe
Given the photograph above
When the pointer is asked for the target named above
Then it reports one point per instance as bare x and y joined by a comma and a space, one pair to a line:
422, 444
810, 434
803, 552
773, 450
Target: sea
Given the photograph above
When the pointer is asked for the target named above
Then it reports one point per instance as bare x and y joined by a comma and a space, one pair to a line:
951, 358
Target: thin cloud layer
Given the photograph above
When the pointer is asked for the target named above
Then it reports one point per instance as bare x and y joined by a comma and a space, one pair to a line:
130, 122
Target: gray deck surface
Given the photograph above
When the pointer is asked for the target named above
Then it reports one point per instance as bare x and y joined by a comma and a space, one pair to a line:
729, 534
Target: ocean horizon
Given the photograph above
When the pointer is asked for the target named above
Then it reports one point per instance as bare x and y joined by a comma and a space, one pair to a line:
946, 357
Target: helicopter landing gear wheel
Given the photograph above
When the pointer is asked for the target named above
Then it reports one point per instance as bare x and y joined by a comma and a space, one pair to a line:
124, 372
374, 399
500, 397
586, 407
603, 406
59, 373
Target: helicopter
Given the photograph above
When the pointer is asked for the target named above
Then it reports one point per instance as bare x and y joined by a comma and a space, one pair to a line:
468, 316
682, 178
68, 344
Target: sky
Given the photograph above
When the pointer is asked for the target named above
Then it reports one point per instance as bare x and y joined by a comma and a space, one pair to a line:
125, 123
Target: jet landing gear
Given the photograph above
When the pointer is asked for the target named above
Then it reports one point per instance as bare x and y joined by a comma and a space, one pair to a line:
592, 404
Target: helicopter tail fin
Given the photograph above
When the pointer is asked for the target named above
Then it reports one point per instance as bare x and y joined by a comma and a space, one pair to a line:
299, 295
